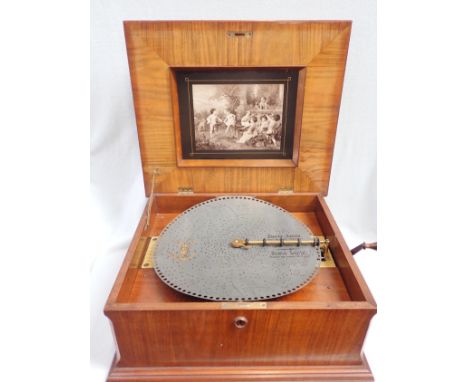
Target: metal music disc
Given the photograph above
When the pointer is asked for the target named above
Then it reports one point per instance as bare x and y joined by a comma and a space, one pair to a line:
193, 253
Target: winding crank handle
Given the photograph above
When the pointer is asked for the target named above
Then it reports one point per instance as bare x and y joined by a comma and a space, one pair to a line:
362, 246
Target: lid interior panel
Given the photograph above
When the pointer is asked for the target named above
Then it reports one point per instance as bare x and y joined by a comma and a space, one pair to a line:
154, 48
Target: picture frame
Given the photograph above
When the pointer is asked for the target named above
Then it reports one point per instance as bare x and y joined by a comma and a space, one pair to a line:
230, 117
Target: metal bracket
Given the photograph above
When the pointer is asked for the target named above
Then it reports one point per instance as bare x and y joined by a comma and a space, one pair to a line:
327, 258
148, 258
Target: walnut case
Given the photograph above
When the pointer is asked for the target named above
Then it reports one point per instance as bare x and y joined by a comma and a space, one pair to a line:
315, 334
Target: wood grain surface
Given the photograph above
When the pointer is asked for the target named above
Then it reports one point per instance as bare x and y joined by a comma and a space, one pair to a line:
209, 337
315, 334
154, 47
320, 329
322, 373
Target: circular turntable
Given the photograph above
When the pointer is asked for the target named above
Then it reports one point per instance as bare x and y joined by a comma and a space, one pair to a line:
236, 248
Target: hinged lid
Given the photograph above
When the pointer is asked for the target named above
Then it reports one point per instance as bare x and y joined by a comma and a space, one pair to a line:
154, 47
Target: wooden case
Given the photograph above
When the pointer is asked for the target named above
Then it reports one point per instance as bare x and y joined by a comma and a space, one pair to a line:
314, 334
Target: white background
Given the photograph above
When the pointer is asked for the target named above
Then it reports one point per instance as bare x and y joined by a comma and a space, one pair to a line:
116, 182
418, 275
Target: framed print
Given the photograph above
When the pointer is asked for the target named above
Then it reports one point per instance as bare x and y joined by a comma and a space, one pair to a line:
250, 115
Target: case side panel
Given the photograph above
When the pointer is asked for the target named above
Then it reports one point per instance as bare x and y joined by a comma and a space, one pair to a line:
122, 280
344, 260
210, 338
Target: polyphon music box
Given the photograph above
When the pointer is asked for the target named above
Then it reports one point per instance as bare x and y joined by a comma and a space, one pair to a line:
237, 270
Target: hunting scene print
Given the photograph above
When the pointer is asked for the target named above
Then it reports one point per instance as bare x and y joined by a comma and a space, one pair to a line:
239, 116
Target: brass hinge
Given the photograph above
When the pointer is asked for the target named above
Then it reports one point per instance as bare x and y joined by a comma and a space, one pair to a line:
185, 191
285, 191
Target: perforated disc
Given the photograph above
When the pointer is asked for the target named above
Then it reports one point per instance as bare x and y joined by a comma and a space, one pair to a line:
193, 254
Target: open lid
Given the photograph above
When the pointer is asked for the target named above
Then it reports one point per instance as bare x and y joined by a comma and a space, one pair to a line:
156, 49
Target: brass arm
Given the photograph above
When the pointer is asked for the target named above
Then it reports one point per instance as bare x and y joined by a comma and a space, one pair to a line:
246, 243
